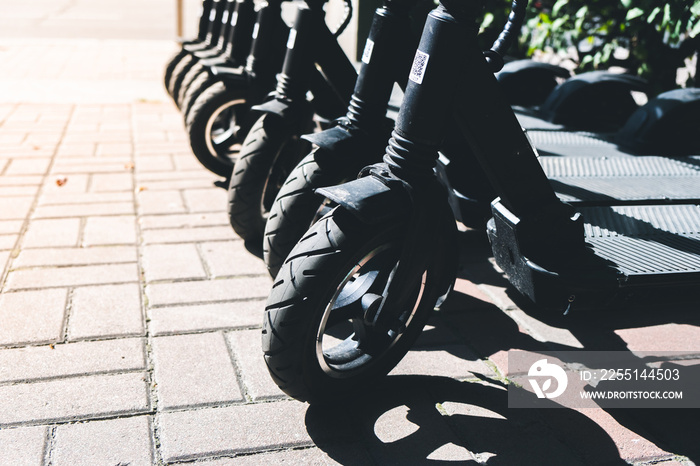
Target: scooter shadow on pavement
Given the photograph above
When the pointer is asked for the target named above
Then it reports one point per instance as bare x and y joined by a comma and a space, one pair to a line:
490, 330
438, 420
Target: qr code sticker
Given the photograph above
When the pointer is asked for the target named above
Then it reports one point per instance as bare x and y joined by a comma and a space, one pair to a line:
420, 62
367, 53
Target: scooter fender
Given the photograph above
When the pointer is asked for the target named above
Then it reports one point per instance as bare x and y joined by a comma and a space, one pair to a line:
371, 199
231, 77
288, 110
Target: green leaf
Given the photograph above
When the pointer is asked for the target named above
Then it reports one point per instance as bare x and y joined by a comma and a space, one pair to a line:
654, 12
696, 30
635, 13
558, 6
626, 3
488, 20
559, 22
582, 12
695, 9
667, 15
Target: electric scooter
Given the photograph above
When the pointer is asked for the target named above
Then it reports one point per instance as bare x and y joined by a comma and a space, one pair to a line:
218, 119
314, 63
356, 290
355, 140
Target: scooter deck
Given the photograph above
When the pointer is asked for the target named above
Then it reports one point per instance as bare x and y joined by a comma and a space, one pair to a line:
641, 213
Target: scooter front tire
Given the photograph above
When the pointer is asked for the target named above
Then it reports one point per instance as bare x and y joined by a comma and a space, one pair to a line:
294, 210
269, 152
217, 121
317, 344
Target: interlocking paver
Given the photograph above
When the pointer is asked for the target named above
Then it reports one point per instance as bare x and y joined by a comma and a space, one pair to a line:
22, 446
10, 226
75, 256
17, 209
35, 166
148, 222
111, 182
110, 230
205, 200
160, 202
49, 233
8, 241
64, 197
172, 261
161, 294
103, 311
188, 235
74, 398
32, 316
231, 258
84, 210
249, 359
235, 429
42, 362
71, 276
193, 370
202, 317
112, 442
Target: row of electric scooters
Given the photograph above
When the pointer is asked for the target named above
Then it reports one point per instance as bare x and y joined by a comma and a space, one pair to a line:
360, 233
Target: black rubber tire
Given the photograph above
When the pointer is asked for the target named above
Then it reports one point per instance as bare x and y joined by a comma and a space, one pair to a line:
327, 257
214, 134
179, 73
294, 210
170, 67
269, 153
187, 80
201, 83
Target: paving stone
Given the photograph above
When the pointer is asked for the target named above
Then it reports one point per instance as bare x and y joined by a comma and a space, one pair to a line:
247, 352
205, 200
114, 148
8, 191
84, 198
35, 166
17, 209
84, 210
186, 162
161, 294
110, 230
51, 233
169, 185
112, 442
160, 202
112, 182
188, 235
154, 163
235, 429
32, 316
455, 361
21, 180
83, 149
231, 258
74, 398
4, 257
8, 241
193, 370
10, 226
202, 317
148, 222
59, 185
71, 276
22, 446
42, 362
172, 261
178, 175
101, 311
662, 338
75, 256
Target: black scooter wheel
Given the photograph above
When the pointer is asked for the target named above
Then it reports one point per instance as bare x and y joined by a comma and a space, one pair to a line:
216, 124
170, 67
295, 208
317, 342
179, 73
187, 81
201, 83
268, 155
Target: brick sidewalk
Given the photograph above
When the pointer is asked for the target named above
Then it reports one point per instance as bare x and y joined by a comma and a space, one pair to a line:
130, 313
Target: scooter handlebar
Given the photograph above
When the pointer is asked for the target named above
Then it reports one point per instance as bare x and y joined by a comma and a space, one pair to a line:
494, 56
